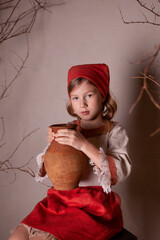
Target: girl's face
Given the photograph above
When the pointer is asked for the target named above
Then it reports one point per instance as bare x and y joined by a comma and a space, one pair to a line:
87, 101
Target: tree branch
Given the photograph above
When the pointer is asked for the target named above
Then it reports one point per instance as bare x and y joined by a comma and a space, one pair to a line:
3, 129
17, 18
16, 149
151, 10
145, 76
23, 61
22, 21
6, 165
146, 21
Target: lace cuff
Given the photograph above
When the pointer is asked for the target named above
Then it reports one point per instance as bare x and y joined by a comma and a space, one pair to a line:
40, 160
104, 175
33, 232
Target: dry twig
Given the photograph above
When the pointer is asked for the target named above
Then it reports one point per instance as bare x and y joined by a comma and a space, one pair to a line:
18, 72
149, 10
6, 164
18, 20
152, 10
146, 76
3, 129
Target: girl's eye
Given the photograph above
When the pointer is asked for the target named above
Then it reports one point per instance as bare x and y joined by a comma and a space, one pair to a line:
89, 95
74, 98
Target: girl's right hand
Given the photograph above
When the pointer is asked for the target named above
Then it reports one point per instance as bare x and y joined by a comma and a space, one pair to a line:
50, 135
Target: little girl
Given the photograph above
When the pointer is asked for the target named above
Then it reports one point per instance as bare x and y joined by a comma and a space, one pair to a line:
87, 212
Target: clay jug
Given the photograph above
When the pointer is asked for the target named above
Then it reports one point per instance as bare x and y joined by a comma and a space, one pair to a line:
64, 164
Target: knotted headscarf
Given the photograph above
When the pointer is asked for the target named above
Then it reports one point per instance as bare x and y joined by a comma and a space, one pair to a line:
96, 73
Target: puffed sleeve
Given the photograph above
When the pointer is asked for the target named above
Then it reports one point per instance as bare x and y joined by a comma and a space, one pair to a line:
115, 162
40, 161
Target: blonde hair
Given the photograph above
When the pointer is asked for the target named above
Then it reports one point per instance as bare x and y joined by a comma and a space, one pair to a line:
109, 105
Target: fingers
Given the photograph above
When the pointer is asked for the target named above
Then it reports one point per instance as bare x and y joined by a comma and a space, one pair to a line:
64, 136
67, 137
65, 132
63, 140
49, 129
61, 133
50, 135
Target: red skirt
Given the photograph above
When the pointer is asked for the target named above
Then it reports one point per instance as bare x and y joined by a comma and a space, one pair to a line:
84, 213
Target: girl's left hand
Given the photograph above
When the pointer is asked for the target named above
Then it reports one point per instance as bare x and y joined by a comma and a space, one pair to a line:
70, 137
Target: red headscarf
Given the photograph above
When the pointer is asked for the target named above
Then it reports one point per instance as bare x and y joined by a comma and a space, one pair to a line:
96, 73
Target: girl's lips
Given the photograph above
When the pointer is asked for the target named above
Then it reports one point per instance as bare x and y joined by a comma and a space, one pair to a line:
85, 112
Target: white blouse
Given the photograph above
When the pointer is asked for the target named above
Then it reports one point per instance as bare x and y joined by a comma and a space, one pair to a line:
115, 162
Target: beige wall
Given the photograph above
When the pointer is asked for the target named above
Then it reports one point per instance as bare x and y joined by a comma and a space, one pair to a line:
80, 31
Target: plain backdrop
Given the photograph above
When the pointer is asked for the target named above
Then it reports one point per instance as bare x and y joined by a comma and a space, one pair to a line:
78, 32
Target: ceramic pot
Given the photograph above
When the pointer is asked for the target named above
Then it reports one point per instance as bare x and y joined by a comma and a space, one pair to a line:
64, 164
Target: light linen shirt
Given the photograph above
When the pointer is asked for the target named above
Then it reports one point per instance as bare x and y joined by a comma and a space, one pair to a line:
115, 164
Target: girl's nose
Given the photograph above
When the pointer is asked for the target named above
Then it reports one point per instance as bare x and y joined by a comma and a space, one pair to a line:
83, 102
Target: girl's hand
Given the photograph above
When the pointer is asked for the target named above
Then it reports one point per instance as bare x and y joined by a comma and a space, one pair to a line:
50, 135
75, 139
70, 137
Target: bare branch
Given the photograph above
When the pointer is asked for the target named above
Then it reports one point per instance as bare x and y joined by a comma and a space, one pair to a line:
152, 99
20, 168
137, 100
3, 4
147, 11
3, 129
11, 14
18, 18
18, 72
155, 132
9, 166
6, 165
15, 150
145, 56
22, 21
146, 21
151, 78
1, 145
46, 185
146, 76
151, 10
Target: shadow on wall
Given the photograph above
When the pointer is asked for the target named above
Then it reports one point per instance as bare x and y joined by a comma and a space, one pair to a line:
144, 182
